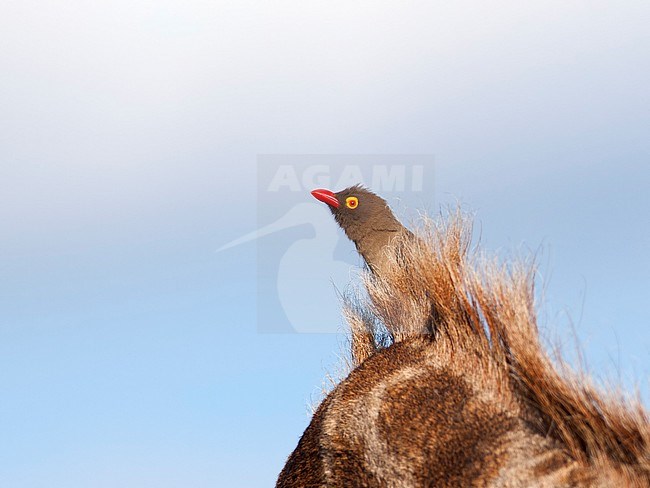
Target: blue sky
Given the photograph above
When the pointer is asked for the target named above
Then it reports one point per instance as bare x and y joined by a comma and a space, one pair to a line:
129, 135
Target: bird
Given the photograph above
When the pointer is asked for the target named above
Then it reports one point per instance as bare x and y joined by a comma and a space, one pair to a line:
368, 221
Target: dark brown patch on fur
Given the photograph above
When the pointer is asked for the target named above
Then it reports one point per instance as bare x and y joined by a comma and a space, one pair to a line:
304, 468
451, 445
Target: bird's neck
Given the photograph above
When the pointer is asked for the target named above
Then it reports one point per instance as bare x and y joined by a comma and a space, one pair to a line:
375, 245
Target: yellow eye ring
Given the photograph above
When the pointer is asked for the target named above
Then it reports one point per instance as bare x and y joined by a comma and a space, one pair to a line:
352, 202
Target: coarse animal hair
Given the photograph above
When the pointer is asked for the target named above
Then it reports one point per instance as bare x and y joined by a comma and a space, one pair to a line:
465, 323
474, 305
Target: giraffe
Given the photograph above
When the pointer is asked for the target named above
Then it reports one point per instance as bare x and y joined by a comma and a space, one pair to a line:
450, 385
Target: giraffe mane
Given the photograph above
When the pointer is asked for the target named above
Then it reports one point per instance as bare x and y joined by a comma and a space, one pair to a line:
482, 311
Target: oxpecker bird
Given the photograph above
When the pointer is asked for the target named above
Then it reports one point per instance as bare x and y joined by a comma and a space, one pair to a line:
367, 221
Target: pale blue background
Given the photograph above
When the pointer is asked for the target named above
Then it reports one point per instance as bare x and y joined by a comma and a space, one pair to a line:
129, 352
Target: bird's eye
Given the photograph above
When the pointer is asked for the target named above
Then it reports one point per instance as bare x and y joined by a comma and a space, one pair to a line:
352, 202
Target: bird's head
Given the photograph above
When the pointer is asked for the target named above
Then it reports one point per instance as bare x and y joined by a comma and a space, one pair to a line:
357, 210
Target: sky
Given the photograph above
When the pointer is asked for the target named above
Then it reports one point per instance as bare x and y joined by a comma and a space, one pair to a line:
134, 353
